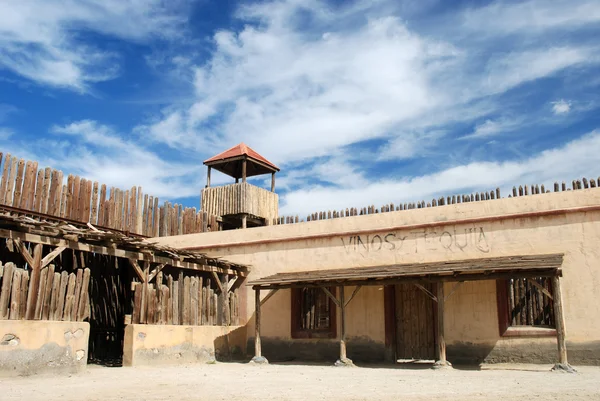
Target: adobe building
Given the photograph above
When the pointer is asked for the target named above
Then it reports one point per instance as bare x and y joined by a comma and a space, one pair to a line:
90, 274
474, 279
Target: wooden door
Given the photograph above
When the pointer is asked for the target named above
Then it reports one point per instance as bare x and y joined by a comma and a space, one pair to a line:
414, 323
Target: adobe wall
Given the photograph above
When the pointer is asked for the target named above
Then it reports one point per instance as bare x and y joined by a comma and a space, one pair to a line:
567, 222
33, 346
169, 344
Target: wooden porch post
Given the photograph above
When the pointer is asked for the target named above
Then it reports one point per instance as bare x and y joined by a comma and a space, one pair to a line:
244, 170
441, 341
559, 317
273, 182
343, 361
244, 221
258, 358
208, 178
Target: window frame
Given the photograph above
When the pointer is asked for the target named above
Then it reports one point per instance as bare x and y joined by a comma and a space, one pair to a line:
504, 321
299, 333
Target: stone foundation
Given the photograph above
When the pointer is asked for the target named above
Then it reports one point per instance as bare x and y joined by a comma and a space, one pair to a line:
33, 346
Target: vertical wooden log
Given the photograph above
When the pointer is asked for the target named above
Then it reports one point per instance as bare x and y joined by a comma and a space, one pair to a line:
5, 176
244, 162
15, 296
144, 302
6, 290
257, 348
560, 321
441, 342
343, 357
34, 282
273, 182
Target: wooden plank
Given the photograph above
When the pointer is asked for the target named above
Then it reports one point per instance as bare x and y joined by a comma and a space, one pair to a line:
101, 206
23, 202
77, 294
540, 287
193, 301
10, 188
87, 215
24, 293
137, 303
5, 177
9, 269
15, 296
144, 307
54, 296
138, 270
139, 208
170, 300
200, 301
62, 292
69, 298
41, 291
175, 304
24, 252
151, 317
83, 297
74, 212
186, 301
204, 315
156, 218
47, 296
19, 183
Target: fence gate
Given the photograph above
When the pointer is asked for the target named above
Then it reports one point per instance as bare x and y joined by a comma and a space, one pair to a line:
414, 323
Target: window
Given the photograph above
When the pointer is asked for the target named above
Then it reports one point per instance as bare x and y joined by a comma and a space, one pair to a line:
525, 306
313, 314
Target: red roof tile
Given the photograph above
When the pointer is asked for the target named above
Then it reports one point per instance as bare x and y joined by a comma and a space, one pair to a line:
240, 150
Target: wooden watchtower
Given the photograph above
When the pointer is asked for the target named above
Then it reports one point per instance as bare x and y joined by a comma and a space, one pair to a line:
241, 205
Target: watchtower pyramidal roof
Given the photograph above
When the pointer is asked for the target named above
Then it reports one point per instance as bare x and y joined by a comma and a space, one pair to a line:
230, 162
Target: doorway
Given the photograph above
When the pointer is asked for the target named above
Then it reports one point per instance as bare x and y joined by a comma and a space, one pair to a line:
415, 329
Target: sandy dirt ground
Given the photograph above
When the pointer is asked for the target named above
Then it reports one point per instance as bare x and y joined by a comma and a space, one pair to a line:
225, 381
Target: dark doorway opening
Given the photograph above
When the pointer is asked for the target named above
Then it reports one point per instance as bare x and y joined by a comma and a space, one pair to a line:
415, 329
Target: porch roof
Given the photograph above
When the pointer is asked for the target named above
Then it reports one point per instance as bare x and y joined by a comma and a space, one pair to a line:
521, 266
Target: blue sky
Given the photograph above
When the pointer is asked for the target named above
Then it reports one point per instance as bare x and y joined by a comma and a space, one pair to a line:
358, 102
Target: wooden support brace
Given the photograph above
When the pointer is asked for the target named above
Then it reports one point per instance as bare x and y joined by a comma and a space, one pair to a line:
156, 270
541, 288
138, 270
26, 255
427, 292
269, 295
332, 297
453, 290
358, 287
52, 255
560, 322
218, 281
235, 283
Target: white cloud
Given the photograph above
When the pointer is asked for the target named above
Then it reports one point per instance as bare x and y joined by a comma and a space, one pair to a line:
561, 107
39, 38
532, 16
577, 158
491, 128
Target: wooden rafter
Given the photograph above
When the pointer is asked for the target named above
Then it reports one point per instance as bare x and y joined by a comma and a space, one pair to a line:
156, 270
24, 252
218, 281
358, 287
332, 297
104, 250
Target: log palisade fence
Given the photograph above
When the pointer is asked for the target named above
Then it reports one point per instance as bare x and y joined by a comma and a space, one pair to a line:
522, 190
60, 296
44, 191
186, 301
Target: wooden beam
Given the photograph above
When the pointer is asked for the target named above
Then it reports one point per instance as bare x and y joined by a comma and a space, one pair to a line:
52, 255
273, 181
559, 317
218, 281
257, 349
426, 291
343, 324
358, 287
540, 287
103, 250
269, 295
333, 298
417, 279
441, 341
137, 269
235, 283
244, 162
156, 270
34, 282
208, 177
26, 255
144, 302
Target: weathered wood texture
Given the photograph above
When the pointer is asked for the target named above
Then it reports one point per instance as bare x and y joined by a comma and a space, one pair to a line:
522, 190
414, 323
54, 301
45, 191
240, 198
189, 301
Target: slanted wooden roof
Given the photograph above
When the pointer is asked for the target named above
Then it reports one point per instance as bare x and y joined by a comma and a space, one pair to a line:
107, 242
230, 162
455, 270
